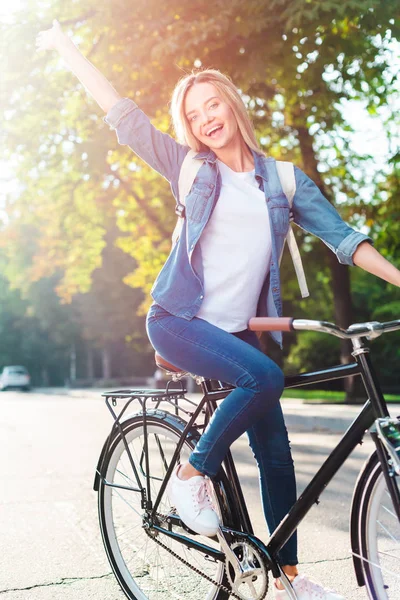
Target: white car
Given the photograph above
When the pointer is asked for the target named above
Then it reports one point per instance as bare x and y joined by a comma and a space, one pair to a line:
15, 377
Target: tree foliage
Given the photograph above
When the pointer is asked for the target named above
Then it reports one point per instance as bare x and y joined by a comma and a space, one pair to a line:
295, 63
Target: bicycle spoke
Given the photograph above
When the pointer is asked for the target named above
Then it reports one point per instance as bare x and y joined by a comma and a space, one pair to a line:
145, 564
127, 479
387, 554
390, 512
377, 566
387, 532
118, 493
381, 537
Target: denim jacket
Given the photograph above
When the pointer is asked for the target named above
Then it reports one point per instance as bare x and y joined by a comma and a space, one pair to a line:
179, 287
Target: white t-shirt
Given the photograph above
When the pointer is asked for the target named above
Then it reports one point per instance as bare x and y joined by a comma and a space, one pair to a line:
236, 251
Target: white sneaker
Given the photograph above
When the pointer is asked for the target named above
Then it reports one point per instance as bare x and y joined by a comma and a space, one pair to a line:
306, 589
191, 498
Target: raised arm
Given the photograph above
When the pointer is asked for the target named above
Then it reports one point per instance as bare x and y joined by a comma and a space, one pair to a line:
133, 127
96, 84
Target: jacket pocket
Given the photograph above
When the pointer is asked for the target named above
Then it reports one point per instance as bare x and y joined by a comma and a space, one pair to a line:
279, 213
197, 200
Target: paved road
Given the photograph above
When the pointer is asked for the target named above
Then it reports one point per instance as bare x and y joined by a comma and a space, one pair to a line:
50, 546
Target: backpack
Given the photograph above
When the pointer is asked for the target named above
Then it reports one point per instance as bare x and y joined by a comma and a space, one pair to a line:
285, 170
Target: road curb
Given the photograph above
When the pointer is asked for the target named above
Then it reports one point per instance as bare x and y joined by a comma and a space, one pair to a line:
333, 418
299, 415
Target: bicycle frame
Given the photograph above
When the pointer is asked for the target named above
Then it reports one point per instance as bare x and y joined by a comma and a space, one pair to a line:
375, 407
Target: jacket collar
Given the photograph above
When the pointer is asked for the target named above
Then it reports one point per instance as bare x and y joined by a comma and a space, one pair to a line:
259, 161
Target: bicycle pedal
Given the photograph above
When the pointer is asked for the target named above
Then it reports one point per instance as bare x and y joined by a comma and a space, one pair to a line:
182, 524
186, 528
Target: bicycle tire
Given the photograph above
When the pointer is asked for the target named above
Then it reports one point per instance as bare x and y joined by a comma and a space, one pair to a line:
160, 575
378, 534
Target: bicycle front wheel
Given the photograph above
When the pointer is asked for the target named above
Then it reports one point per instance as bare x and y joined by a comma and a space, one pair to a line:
143, 568
379, 536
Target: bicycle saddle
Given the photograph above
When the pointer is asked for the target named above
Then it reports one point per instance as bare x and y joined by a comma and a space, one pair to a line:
164, 364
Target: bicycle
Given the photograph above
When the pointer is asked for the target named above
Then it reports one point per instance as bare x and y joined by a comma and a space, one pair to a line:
154, 555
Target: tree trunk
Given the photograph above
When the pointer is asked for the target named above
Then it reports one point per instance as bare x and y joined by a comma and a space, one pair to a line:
106, 362
340, 279
89, 362
72, 363
44, 377
343, 310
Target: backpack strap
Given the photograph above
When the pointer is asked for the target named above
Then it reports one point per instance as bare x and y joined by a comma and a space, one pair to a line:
187, 174
285, 170
288, 182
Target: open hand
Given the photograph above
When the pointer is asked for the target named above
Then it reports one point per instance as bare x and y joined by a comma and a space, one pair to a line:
50, 38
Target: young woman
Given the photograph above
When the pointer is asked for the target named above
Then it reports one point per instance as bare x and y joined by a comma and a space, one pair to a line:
222, 271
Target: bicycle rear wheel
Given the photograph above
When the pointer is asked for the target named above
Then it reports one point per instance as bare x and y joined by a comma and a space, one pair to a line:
145, 570
379, 536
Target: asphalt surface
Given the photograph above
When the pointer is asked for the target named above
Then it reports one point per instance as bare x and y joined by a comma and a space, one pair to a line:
50, 545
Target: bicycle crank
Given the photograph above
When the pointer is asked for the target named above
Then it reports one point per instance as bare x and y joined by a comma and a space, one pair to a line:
245, 566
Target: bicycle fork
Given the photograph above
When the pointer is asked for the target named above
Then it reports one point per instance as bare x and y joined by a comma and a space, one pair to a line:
386, 435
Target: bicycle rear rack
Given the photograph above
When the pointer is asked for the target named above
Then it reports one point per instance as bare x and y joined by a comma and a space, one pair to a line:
185, 409
173, 396
158, 396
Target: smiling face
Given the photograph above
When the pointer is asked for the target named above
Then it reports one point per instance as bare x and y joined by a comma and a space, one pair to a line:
206, 111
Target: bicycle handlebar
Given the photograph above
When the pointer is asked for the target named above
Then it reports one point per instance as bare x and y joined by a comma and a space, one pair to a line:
370, 330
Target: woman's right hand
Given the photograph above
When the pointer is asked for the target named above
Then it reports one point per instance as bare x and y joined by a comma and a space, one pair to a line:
50, 38
95, 83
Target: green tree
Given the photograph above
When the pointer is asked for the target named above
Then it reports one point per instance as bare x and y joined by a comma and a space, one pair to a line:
35, 332
294, 61
107, 314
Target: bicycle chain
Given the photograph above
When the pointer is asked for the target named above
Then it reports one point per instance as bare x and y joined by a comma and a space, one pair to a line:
185, 562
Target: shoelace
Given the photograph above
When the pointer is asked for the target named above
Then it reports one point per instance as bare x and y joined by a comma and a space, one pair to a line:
312, 587
202, 493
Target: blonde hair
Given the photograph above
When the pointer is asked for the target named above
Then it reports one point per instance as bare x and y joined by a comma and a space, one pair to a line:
228, 92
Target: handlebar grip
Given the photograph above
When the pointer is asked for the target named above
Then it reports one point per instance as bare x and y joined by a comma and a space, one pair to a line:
271, 324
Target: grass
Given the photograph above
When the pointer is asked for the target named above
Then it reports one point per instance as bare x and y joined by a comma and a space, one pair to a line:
316, 396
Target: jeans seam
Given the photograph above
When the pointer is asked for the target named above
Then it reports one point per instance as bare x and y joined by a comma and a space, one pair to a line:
209, 349
227, 430
266, 482
265, 479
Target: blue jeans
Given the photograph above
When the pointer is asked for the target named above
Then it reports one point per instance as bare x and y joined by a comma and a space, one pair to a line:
253, 407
